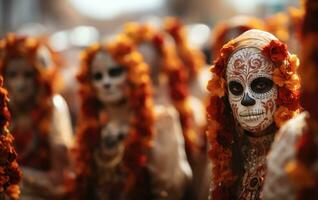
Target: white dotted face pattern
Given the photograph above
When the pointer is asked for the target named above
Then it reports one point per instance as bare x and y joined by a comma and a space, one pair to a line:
252, 93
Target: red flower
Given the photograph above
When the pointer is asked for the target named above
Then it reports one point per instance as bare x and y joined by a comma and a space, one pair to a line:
288, 98
276, 51
158, 40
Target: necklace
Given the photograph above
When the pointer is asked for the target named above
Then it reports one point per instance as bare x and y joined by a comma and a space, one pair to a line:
254, 153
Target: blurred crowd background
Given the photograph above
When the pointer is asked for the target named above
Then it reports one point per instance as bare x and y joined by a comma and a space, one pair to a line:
71, 25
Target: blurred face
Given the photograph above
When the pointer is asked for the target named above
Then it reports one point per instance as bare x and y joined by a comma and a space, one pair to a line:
252, 93
19, 79
108, 79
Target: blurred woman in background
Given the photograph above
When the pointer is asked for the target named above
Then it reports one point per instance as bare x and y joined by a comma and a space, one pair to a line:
40, 120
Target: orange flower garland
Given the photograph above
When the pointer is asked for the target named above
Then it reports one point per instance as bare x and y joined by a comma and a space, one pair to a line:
224, 145
193, 58
173, 68
11, 47
10, 173
140, 137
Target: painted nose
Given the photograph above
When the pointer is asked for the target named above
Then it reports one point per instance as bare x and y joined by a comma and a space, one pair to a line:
107, 85
122, 136
110, 141
247, 100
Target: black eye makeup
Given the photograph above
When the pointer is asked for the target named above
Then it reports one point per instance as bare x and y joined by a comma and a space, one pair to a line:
11, 74
236, 88
262, 85
28, 74
116, 71
97, 76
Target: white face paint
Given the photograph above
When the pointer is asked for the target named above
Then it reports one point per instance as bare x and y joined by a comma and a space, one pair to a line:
19, 79
108, 79
252, 93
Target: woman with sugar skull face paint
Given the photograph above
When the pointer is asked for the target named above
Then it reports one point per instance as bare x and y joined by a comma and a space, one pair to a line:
248, 103
40, 122
121, 141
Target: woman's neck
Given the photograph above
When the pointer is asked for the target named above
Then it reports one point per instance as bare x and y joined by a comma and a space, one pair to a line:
21, 109
117, 110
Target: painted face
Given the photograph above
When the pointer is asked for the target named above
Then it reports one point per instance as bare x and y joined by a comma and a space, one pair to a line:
19, 79
252, 92
108, 79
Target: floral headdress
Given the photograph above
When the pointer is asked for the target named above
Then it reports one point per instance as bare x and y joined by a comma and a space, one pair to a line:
123, 51
11, 47
174, 70
192, 58
10, 173
221, 130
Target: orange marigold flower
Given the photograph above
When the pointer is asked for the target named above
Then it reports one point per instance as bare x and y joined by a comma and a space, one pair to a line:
276, 51
278, 77
282, 115
293, 83
227, 49
13, 191
288, 98
293, 62
216, 86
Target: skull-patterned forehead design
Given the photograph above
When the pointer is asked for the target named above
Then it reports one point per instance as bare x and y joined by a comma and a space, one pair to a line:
252, 92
